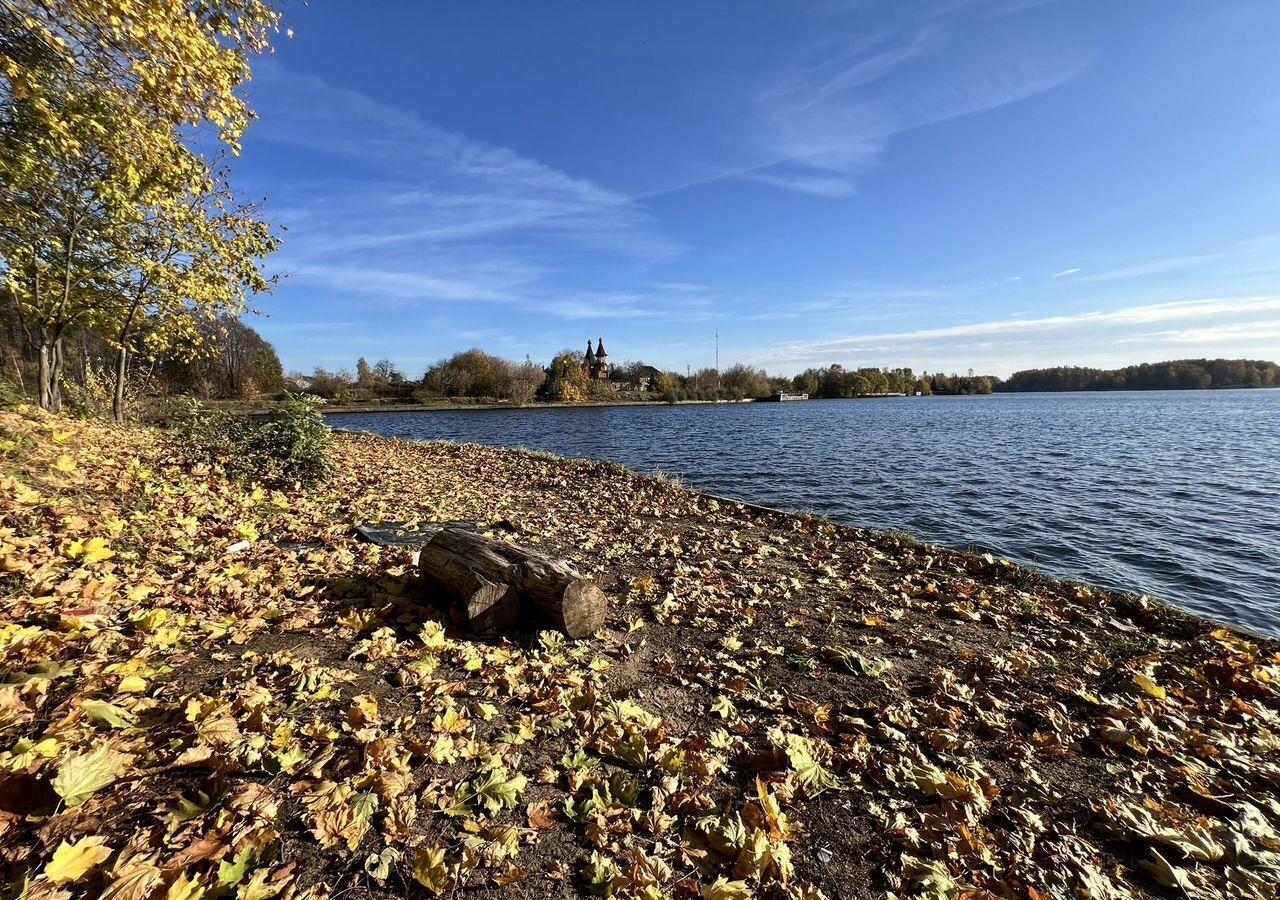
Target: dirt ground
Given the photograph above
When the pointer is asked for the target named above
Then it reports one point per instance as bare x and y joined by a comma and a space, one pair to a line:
214, 689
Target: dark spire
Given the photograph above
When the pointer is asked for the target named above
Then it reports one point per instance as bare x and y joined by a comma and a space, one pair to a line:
600, 354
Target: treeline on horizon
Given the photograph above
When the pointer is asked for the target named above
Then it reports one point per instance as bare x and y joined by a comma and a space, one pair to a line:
236, 364
480, 376
1173, 375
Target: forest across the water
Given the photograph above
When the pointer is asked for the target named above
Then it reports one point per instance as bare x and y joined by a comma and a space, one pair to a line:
1175, 375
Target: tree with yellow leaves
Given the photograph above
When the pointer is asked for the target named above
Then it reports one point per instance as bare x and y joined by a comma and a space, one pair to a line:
105, 212
194, 263
181, 61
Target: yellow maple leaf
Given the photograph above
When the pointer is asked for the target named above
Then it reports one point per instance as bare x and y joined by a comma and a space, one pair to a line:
94, 550
429, 869
451, 722
65, 464
81, 775
1149, 686
72, 862
724, 889
132, 684
185, 888
140, 592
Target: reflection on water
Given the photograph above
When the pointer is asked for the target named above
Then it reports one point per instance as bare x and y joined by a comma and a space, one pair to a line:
1175, 494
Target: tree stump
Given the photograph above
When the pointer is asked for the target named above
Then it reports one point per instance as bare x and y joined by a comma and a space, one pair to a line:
499, 586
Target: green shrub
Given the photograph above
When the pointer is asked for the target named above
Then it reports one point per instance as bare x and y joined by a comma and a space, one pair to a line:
296, 439
291, 445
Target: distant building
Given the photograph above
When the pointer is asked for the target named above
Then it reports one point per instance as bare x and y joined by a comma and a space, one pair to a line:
595, 365
646, 378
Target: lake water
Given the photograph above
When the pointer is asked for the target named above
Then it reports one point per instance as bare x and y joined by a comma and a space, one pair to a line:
1173, 494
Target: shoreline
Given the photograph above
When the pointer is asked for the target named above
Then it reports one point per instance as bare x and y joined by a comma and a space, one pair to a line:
900, 535
347, 409
901, 713
446, 406
463, 407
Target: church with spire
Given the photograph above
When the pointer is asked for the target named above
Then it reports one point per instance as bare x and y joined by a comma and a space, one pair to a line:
595, 364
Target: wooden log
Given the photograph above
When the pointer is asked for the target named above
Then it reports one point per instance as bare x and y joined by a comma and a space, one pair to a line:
498, 585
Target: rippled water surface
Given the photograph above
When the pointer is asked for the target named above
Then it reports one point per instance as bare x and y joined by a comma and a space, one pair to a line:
1174, 494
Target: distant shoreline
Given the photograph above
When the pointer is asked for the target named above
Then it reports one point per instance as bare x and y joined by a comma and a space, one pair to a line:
347, 409
444, 406
467, 407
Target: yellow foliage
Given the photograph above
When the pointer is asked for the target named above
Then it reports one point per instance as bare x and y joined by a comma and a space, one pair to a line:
72, 862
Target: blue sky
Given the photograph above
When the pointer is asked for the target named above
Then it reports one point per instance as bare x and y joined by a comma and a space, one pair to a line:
986, 184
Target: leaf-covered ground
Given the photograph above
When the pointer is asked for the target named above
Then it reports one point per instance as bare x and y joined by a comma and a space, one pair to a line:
215, 690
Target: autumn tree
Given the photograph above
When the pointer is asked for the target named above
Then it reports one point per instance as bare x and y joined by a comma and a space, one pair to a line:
565, 380
191, 262
97, 99
66, 209
181, 62
229, 360
740, 381
525, 379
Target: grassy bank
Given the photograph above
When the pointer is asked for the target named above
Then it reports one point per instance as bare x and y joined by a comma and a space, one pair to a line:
213, 689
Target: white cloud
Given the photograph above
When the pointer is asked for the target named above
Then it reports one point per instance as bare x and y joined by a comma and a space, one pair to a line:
1155, 267
401, 181
1213, 334
1080, 333
830, 117
395, 285
1065, 272
674, 306
458, 274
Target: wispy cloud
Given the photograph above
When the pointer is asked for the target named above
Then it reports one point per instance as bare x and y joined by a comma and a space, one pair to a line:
1156, 267
598, 309
1214, 334
398, 183
450, 170
830, 116
1065, 272
1116, 324
408, 286
674, 305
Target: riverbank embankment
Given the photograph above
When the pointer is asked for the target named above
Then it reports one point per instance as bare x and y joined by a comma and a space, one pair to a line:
216, 680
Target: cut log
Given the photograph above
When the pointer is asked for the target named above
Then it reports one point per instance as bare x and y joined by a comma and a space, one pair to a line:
498, 586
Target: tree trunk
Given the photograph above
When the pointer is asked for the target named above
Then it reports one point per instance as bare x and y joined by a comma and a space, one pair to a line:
498, 586
122, 362
51, 373
117, 397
